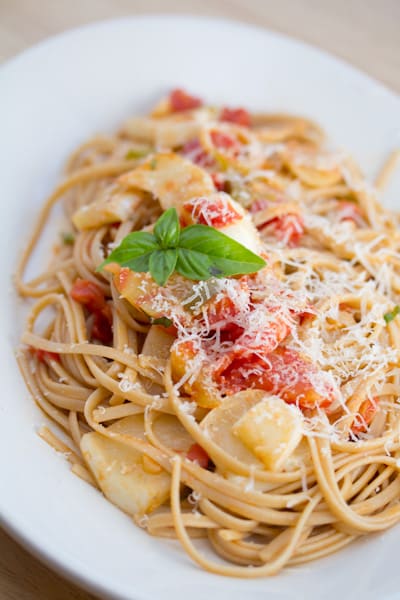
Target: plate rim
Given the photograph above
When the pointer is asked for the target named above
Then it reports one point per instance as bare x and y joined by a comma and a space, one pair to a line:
66, 568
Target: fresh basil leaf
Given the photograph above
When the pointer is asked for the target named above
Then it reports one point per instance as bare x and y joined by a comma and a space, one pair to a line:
392, 315
134, 251
163, 321
193, 265
197, 252
162, 264
167, 229
226, 256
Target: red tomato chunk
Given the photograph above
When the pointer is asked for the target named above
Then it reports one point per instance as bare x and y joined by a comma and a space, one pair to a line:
284, 372
239, 116
43, 355
198, 455
367, 411
223, 140
181, 100
217, 212
287, 228
90, 295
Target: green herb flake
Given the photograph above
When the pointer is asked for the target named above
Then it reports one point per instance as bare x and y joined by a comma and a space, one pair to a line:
197, 252
392, 315
68, 238
153, 164
163, 321
135, 153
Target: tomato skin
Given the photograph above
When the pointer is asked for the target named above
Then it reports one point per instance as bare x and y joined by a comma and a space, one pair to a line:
217, 212
89, 294
101, 329
219, 181
259, 204
223, 309
197, 454
223, 140
180, 100
283, 372
287, 228
239, 116
349, 211
194, 151
367, 411
43, 355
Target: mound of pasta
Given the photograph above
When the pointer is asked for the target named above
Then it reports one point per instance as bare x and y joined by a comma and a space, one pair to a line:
216, 334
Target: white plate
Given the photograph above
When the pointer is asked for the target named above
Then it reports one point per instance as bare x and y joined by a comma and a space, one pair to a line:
54, 96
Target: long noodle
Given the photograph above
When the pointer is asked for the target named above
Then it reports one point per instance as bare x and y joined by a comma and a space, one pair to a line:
343, 258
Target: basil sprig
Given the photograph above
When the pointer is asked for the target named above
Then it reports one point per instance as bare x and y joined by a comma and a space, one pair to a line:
196, 252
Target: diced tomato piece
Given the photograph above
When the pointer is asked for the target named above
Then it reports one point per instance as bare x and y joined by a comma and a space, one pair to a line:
216, 212
197, 454
306, 316
223, 141
366, 413
267, 338
219, 181
231, 333
43, 355
350, 211
194, 151
239, 116
101, 329
259, 205
283, 372
181, 100
287, 228
90, 295
220, 310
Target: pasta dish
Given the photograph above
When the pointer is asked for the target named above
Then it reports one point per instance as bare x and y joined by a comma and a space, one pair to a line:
216, 334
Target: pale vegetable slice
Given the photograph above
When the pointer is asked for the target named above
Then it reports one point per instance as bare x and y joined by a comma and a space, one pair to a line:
128, 478
271, 429
113, 206
169, 430
120, 473
158, 342
167, 130
187, 366
170, 178
242, 230
245, 233
145, 295
217, 425
166, 427
139, 289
